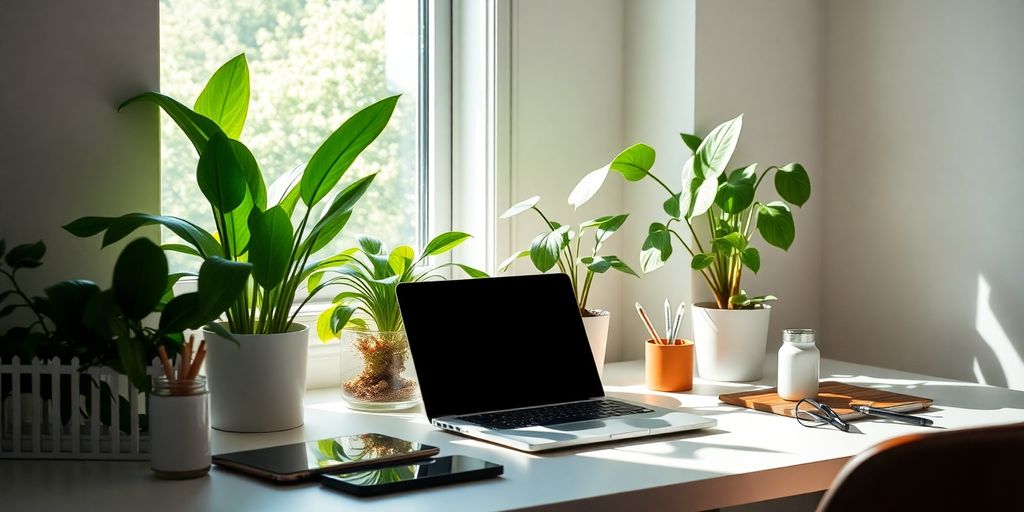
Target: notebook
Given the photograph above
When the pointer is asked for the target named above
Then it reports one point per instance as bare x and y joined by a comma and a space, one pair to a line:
506, 360
837, 395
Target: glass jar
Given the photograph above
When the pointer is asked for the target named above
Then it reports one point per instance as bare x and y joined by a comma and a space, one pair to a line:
798, 365
179, 426
377, 372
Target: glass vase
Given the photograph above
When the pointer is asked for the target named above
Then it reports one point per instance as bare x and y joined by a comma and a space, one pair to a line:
377, 372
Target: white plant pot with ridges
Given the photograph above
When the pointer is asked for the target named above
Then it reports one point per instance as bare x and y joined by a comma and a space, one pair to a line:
730, 343
258, 384
597, 335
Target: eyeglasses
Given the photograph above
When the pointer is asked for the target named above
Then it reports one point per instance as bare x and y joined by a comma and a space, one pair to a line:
812, 414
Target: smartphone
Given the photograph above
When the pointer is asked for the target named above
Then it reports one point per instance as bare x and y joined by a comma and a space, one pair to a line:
425, 473
302, 461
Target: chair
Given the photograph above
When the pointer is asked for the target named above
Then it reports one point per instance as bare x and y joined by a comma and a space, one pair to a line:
971, 469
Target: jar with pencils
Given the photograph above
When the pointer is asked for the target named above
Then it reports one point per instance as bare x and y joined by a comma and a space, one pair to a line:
179, 417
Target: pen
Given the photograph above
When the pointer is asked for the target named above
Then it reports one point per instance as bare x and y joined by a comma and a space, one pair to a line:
892, 415
675, 325
668, 323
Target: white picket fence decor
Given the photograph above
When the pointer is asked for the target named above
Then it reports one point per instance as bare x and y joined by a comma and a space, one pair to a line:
31, 427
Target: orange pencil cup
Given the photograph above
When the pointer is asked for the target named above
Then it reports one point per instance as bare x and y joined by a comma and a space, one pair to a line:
669, 367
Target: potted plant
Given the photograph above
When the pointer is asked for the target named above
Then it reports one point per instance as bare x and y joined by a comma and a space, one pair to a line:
560, 246
75, 319
268, 365
730, 332
380, 379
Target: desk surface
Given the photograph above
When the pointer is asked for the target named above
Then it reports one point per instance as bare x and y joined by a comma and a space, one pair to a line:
750, 456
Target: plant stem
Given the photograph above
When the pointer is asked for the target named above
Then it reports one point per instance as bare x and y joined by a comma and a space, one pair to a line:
703, 272
28, 302
663, 185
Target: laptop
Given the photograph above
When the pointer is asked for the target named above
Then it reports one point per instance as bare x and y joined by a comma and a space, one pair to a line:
506, 360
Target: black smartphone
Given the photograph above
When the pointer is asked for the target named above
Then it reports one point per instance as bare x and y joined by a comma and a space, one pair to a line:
301, 461
426, 473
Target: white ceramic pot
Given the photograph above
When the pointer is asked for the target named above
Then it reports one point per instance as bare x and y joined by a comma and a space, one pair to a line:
597, 335
257, 385
730, 343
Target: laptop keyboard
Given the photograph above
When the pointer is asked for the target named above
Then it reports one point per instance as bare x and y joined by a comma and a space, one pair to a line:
554, 414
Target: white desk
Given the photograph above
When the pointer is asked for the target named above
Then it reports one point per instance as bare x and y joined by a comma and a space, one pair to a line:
750, 456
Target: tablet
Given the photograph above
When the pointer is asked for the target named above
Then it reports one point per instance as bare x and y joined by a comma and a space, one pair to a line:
302, 461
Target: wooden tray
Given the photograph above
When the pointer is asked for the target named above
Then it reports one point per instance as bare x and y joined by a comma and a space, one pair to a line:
837, 395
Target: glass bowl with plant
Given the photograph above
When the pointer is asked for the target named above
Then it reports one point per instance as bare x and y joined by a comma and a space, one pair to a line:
720, 213
560, 246
366, 315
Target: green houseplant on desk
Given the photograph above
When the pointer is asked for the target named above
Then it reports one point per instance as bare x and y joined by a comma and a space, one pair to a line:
367, 317
268, 365
731, 331
560, 246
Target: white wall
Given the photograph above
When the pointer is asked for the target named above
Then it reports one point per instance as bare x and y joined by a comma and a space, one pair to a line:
922, 253
659, 100
64, 67
567, 120
764, 59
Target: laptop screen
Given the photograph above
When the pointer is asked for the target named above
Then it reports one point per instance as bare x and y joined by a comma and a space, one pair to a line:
499, 343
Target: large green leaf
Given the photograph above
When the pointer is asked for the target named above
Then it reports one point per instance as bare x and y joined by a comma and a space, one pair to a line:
715, 151
657, 248
221, 282
444, 242
26, 255
730, 242
793, 184
775, 223
181, 313
67, 303
671, 206
737, 193
472, 272
225, 99
587, 187
607, 228
545, 249
270, 247
338, 215
698, 191
691, 141
140, 277
511, 259
634, 163
220, 175
84, 227
751, 258
284, 191
197, 127
601, 264
340, 150
401, 258
371, 244
701, 261
520, 207
120, 227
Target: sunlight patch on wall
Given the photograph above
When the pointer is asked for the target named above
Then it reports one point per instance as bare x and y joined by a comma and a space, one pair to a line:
992, 332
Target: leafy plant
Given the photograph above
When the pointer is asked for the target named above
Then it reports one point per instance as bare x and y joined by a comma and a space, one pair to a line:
108, 327
371, 275
555, 246
254, 225
727, 201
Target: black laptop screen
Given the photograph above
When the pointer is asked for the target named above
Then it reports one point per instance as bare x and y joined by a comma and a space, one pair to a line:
499, 343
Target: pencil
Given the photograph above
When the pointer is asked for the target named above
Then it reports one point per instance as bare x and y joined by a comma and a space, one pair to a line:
647, 323
186, 358
168, 370
198, 362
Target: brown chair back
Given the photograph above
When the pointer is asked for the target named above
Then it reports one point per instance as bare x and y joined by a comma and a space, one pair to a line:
969, 469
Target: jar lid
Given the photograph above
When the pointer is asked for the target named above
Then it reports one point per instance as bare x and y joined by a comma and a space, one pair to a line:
798, 335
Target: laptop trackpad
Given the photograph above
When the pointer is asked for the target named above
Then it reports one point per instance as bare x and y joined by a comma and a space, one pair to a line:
598, 428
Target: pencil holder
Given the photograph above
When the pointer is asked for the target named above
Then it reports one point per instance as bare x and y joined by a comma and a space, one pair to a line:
669, 367
179, 424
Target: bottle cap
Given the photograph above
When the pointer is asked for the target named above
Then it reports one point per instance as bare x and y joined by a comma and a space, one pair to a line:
798, 335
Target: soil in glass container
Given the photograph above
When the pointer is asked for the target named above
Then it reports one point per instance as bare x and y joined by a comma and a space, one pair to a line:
384, 358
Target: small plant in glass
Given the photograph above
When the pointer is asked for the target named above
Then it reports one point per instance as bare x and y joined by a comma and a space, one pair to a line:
367, 317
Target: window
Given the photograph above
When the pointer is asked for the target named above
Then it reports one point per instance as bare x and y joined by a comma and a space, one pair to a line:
312, 64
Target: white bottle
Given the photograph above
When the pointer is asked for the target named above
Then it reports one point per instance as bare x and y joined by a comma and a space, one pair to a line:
798, 365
